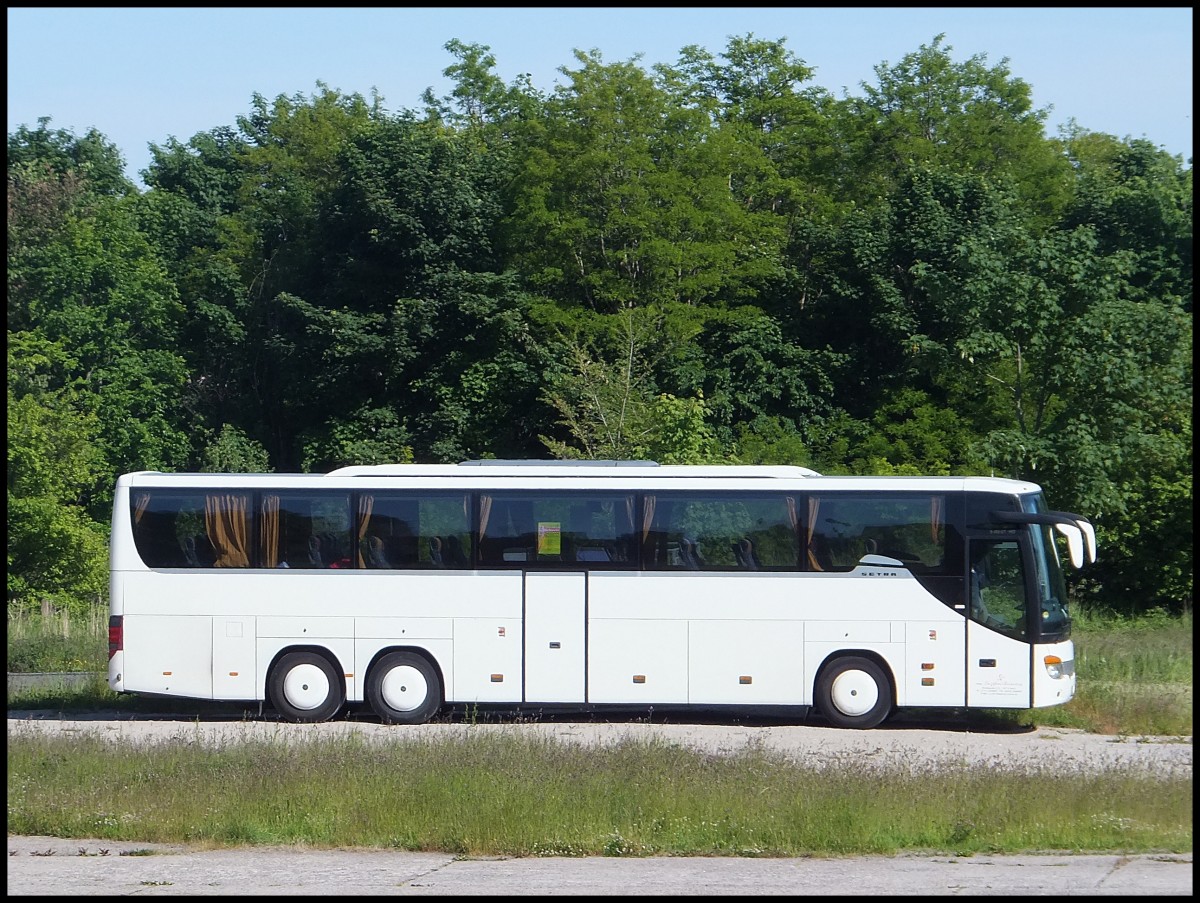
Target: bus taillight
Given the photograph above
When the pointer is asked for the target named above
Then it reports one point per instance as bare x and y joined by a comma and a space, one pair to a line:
116, 635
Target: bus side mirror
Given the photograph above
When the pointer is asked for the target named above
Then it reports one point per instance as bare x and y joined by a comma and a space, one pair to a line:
1074, 542
1089, 533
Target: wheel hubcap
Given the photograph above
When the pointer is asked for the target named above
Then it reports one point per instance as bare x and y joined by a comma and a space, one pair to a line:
404, 688
854, 692
306, 687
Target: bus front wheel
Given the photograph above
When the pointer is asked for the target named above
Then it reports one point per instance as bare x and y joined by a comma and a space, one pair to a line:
854, 692
305, 688
404, 688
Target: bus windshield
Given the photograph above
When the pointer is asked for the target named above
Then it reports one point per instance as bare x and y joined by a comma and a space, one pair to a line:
1053, 618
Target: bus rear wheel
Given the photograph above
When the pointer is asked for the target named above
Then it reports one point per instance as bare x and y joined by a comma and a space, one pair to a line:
854, 692
305, 688
404, 688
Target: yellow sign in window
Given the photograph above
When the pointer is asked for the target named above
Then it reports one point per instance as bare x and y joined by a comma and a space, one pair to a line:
549, 540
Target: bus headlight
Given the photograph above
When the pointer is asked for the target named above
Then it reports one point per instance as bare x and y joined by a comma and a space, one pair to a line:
1054, 667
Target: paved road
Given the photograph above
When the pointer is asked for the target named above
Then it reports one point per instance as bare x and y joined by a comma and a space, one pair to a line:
43, 865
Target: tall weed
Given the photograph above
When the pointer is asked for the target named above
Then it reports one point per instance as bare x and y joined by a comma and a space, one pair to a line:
57, 640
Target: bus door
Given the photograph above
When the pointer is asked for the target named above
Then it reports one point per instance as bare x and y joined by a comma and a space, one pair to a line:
555, 611
998, 644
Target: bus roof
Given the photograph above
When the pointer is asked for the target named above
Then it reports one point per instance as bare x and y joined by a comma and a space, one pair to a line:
585, 474
502, 468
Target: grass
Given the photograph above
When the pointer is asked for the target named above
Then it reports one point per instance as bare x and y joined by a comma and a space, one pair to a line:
1134, 676
500, 794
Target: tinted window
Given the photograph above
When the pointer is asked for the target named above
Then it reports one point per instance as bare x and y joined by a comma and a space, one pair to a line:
191, 529
524, 529
721, 532
403, 530
305, 530
841, 529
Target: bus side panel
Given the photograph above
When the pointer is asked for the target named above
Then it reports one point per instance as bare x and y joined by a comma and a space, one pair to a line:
935, 667
637, 634
487, 609
637, 661
169, 654
487, 660
116, 660
402, 631
997, 669
820, 650
555, 645
746, 663
433, 636
234, 658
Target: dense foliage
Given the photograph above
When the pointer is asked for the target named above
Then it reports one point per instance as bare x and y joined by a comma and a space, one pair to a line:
709, 261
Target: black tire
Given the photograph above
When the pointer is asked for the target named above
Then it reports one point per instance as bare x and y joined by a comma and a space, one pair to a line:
305, 688
854, 692
404, 688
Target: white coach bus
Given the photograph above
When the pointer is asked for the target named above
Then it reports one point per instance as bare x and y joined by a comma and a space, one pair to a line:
575, 586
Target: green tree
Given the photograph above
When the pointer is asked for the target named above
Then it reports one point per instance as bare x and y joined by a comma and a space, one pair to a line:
603, 392
90, 157
232, 451
602, 395
193, 194
56, 552
751, 373
626, 200
930, 110
419, 319
82, 276
755, 93
1138, 199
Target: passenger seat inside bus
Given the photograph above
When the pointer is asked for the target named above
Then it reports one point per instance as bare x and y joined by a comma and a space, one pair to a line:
455, 552
375, 555
744, 554
435, 552
314, 552
188, 544
689, 554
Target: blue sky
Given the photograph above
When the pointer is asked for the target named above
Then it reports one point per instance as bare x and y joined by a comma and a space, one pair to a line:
143, 75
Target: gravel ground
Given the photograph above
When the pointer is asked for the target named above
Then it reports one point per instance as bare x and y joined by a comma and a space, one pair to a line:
913, 746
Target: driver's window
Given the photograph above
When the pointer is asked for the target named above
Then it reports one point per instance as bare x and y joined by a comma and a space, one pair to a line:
997, 586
